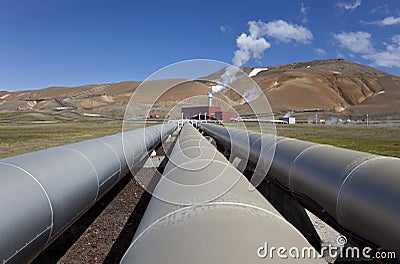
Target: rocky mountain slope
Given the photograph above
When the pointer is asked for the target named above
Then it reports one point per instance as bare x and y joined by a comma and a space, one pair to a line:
335, 86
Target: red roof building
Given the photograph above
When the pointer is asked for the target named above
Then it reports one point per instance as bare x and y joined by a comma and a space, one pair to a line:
211, 111
191, 111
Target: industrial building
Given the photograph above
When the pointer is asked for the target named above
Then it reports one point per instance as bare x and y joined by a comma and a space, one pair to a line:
225, 116
207, 112
191, 112
289, 120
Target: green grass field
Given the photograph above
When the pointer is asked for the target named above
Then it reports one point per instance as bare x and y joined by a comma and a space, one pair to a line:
373, 139
16, 139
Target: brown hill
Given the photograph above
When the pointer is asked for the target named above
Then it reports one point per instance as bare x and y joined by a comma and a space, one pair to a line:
337, 86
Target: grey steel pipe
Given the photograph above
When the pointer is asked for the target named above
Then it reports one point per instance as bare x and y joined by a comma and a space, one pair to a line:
44, 192
360, 191
202, 211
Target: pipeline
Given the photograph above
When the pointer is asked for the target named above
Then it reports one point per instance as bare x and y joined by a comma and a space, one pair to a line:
360, 191
42, 193
202, 211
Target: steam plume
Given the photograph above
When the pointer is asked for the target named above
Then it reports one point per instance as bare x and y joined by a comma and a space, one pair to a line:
249, 46
253, 44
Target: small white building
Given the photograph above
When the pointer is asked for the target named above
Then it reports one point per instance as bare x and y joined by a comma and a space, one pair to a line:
289, 120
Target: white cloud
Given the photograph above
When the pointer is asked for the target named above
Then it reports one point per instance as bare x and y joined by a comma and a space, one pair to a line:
387, 58
225, 29
357, 42
249, 46
396, 39
281, 30
320, 51
303, 11
387, 21
350, 6
381, 9
254, 44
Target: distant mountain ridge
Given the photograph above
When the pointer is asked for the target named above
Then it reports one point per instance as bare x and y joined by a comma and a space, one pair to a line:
335, 85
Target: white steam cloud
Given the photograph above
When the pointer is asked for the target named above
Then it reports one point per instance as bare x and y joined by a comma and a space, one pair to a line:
252, 94
253, 44
218, 88
334, 121
249, 46
288, 114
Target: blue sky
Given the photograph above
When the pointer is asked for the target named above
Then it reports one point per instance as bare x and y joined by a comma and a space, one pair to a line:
75, 42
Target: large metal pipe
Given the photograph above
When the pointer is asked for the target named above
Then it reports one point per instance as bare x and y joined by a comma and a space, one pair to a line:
43, 193
360, 191
202, 211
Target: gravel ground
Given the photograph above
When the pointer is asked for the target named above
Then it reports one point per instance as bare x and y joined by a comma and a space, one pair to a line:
327, 234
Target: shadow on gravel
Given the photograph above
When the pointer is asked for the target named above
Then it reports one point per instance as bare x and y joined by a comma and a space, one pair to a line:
125, 237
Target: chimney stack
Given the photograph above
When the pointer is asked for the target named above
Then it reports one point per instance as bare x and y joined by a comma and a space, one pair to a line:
210, 96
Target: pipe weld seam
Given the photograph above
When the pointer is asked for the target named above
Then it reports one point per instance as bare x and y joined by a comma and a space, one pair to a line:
45, 193
347, 177
115, 152
91, 164
27, 244
112, 175
297, 157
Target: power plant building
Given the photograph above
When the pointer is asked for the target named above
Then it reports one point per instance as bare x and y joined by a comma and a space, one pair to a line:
207, 112
191, 111
225, 116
